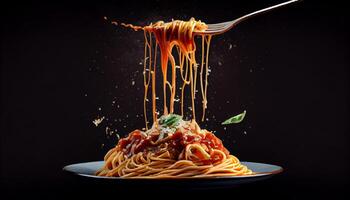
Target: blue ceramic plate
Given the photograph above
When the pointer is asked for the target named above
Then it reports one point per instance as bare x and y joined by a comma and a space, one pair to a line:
262, 171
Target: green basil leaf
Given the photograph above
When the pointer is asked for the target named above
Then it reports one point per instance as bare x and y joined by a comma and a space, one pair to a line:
170, 120
235, 119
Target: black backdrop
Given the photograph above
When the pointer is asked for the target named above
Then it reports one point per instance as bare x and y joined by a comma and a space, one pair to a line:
63, 65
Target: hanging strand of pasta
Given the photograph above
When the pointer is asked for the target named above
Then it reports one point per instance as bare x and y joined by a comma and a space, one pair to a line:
150, 61
180, 65
208, 39
184, 79
164, 63
192, 90
204, 103
195, 67
154, 105
173, 83
145, 79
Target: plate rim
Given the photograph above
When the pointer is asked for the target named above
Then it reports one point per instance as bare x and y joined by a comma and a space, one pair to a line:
262, 174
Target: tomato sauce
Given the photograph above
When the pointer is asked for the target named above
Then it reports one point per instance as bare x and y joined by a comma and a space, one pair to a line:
137, 142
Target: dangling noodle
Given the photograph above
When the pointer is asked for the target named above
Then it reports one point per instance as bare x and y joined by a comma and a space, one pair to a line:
172, 147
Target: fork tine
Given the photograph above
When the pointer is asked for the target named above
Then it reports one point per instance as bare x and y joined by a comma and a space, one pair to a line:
211, 28
217, 27
219, 24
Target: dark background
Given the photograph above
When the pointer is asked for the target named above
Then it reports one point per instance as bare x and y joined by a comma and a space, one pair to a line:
63, 65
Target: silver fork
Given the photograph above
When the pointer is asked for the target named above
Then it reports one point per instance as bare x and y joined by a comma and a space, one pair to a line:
214, 29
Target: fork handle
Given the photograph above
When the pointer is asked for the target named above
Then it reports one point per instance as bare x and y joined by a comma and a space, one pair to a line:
236, 21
